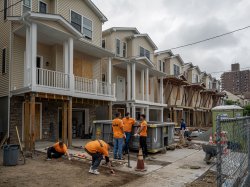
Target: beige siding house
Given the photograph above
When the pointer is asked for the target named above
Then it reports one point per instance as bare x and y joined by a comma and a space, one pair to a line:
51, 61
139, 84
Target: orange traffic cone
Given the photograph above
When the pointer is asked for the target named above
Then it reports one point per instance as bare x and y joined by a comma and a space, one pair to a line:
140, 162
210, 140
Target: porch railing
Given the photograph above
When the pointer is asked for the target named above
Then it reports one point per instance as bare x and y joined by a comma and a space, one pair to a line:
53, 79
93, 86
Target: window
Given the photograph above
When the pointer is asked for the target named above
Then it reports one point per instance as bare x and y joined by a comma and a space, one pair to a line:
3, 61
144, 52
159, 65
42, 7
195, 78
87, 28
163, 66
76, 21
176, 70
118, 46
26, 5
124, 49
5, 9
104, 43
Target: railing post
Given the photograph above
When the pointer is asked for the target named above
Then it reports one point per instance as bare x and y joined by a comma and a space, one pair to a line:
219, 151
95, 86
114, 90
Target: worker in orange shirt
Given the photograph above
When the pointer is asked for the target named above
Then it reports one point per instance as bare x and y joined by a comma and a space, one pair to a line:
97, 149
142, 132
128, 124
57, 150
118, 134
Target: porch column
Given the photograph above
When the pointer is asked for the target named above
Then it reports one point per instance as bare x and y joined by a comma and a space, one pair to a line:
133, 81
32, 120
27, 123
142, 84
70, 122
128, 108
27, 59
133, 111
110, 110
64, 122
147, 113
161, 90
33, 51
142, 111
161, 115
70, 64
66, 57
109, 72
128, 81
147, 84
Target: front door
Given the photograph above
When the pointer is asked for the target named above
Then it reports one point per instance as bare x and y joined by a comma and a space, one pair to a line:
120, 88
38, 122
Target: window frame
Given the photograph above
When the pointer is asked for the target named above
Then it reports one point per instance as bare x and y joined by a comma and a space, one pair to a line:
4, 59
144, 52
74, 22
23, 5
126, 49
176, 67
104, 43
39, 6
116, 47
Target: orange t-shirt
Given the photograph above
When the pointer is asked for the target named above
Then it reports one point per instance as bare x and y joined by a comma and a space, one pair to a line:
59, 149
117, 126
128, 123
145, 128
98, 147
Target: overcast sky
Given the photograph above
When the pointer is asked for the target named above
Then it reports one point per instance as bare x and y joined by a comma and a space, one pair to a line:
171, 23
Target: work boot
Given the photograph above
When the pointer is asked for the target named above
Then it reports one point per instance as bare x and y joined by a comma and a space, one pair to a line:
95, 172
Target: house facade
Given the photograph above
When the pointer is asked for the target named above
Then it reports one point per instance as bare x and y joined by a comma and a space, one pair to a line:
51, 81
139, 84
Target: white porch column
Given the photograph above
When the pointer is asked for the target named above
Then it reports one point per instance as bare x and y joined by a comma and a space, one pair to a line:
33, 51
147, 84
161, 90
133, 111
109, 71
66, 57
147, 113
128, 108
133, 82
161, 115
142, 111
70, 64
27, 65
128, 81
142, 84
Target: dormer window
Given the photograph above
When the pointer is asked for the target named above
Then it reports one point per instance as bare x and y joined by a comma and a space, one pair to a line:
144, 52
176, 70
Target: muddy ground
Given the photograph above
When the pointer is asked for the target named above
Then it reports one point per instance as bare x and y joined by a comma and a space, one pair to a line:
208, 179
61, 172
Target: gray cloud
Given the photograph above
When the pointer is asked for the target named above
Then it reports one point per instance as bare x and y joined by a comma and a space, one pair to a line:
171, 23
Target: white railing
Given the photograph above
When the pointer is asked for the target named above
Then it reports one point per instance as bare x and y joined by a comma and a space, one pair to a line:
53, 79
93, 86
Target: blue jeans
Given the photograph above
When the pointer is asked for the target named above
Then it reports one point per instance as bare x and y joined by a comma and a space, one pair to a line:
118, 143
96, 160
127, 141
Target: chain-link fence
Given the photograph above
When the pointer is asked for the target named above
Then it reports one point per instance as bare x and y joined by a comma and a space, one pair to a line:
233, 152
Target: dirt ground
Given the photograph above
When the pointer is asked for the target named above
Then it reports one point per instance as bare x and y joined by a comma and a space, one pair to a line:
206, 180
61, 172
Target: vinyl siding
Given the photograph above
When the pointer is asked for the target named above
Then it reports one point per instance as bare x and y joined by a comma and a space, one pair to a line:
5, 27
64, 7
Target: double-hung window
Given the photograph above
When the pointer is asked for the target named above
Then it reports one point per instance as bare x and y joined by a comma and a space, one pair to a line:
4, 61
42, 7
82, 24
76, 21
104, 43
124, 49
26, 5
144, 52
87, 28
118, 47
176, 70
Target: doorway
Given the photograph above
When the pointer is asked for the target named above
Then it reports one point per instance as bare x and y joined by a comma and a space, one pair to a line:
120, 88
38, 65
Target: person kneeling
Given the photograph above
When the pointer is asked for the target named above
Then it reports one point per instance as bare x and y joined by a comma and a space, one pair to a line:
97, 149
57, 151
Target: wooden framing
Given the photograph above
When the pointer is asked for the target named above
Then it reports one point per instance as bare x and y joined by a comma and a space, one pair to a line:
177, 95
70, 122
64, 122
32, 119
27, 123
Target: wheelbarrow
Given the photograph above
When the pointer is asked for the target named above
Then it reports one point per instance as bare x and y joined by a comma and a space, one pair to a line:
211, 152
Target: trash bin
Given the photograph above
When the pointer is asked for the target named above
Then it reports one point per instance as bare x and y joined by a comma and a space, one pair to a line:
10, 155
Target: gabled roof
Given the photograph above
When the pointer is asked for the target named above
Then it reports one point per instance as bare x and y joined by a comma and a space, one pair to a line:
96, 10
165, 51
147, 38
114, 29
179, 58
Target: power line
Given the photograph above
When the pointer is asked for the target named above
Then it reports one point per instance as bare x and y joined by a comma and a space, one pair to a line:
211, 38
